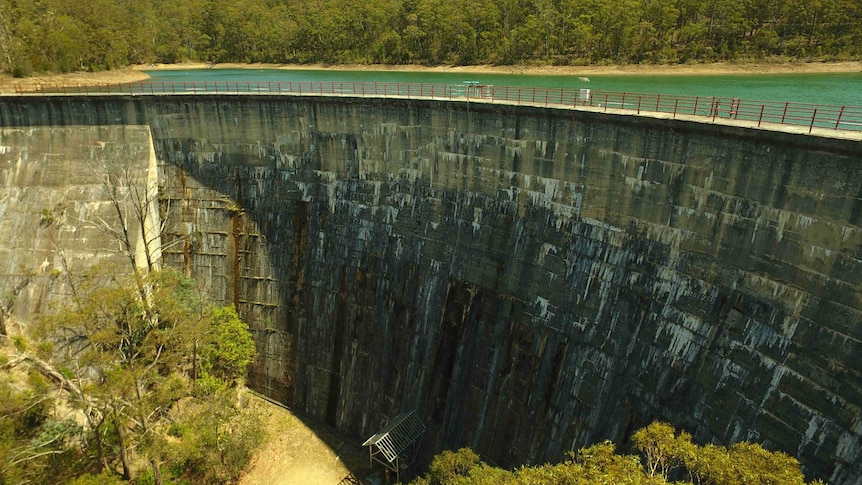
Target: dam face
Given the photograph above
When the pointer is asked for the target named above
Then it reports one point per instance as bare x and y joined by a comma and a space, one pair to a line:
530, 280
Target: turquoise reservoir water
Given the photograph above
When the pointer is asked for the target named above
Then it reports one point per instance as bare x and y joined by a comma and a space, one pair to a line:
841, 89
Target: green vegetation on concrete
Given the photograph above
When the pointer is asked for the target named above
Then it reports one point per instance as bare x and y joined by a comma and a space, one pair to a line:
229, 348
61, 36
665, 455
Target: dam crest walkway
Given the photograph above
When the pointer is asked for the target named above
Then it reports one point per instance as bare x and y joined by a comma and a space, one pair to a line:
828, 121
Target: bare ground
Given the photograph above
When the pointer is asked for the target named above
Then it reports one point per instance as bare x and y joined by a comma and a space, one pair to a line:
10, 84
302, 452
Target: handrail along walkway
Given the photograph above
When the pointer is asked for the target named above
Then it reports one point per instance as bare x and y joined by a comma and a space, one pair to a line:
844, 118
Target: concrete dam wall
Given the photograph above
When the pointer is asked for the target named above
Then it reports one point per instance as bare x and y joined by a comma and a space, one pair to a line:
530, 280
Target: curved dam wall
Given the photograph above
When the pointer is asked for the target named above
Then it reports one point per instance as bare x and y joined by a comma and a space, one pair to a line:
530, 280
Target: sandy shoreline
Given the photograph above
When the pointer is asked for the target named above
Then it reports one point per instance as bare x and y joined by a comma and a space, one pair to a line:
648, 69
138, 73
9, 84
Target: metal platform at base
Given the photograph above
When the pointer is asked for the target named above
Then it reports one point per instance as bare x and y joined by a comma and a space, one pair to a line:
395, 444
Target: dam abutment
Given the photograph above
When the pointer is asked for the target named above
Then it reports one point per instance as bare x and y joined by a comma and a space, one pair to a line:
529, 279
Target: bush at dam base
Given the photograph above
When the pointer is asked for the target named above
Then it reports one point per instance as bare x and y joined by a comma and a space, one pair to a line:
664, 454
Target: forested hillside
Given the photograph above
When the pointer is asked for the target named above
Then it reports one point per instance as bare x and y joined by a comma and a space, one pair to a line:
62, 35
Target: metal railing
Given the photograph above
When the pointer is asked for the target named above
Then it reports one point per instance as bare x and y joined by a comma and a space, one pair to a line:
848, 118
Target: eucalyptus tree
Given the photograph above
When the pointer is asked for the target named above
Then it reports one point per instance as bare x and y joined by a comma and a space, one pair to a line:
666, 455
133, 333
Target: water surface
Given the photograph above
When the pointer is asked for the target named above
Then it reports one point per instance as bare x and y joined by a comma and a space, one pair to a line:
828, 88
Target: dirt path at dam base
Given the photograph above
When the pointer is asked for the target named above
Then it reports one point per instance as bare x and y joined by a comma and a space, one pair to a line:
301, 452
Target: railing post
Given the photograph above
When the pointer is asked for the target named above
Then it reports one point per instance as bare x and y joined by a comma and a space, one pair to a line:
759, 120
639, 104
675, 105
840, 114
606, 102
812, 120
785, 112
696, 99
623, 104
657, 101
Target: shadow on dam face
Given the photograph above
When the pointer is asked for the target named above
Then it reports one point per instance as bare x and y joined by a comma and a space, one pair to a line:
529, 280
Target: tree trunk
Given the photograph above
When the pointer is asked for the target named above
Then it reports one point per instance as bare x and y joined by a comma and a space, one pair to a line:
100, 450
195, 362
157, 472
121, 437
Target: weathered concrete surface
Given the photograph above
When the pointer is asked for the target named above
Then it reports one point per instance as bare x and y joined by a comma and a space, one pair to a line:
530, 280
55, 211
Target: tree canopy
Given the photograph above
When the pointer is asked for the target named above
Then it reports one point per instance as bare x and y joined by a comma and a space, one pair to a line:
124, 401
58, 35
665, 455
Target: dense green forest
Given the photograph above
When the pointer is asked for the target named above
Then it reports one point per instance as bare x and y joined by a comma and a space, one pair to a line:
61, 36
